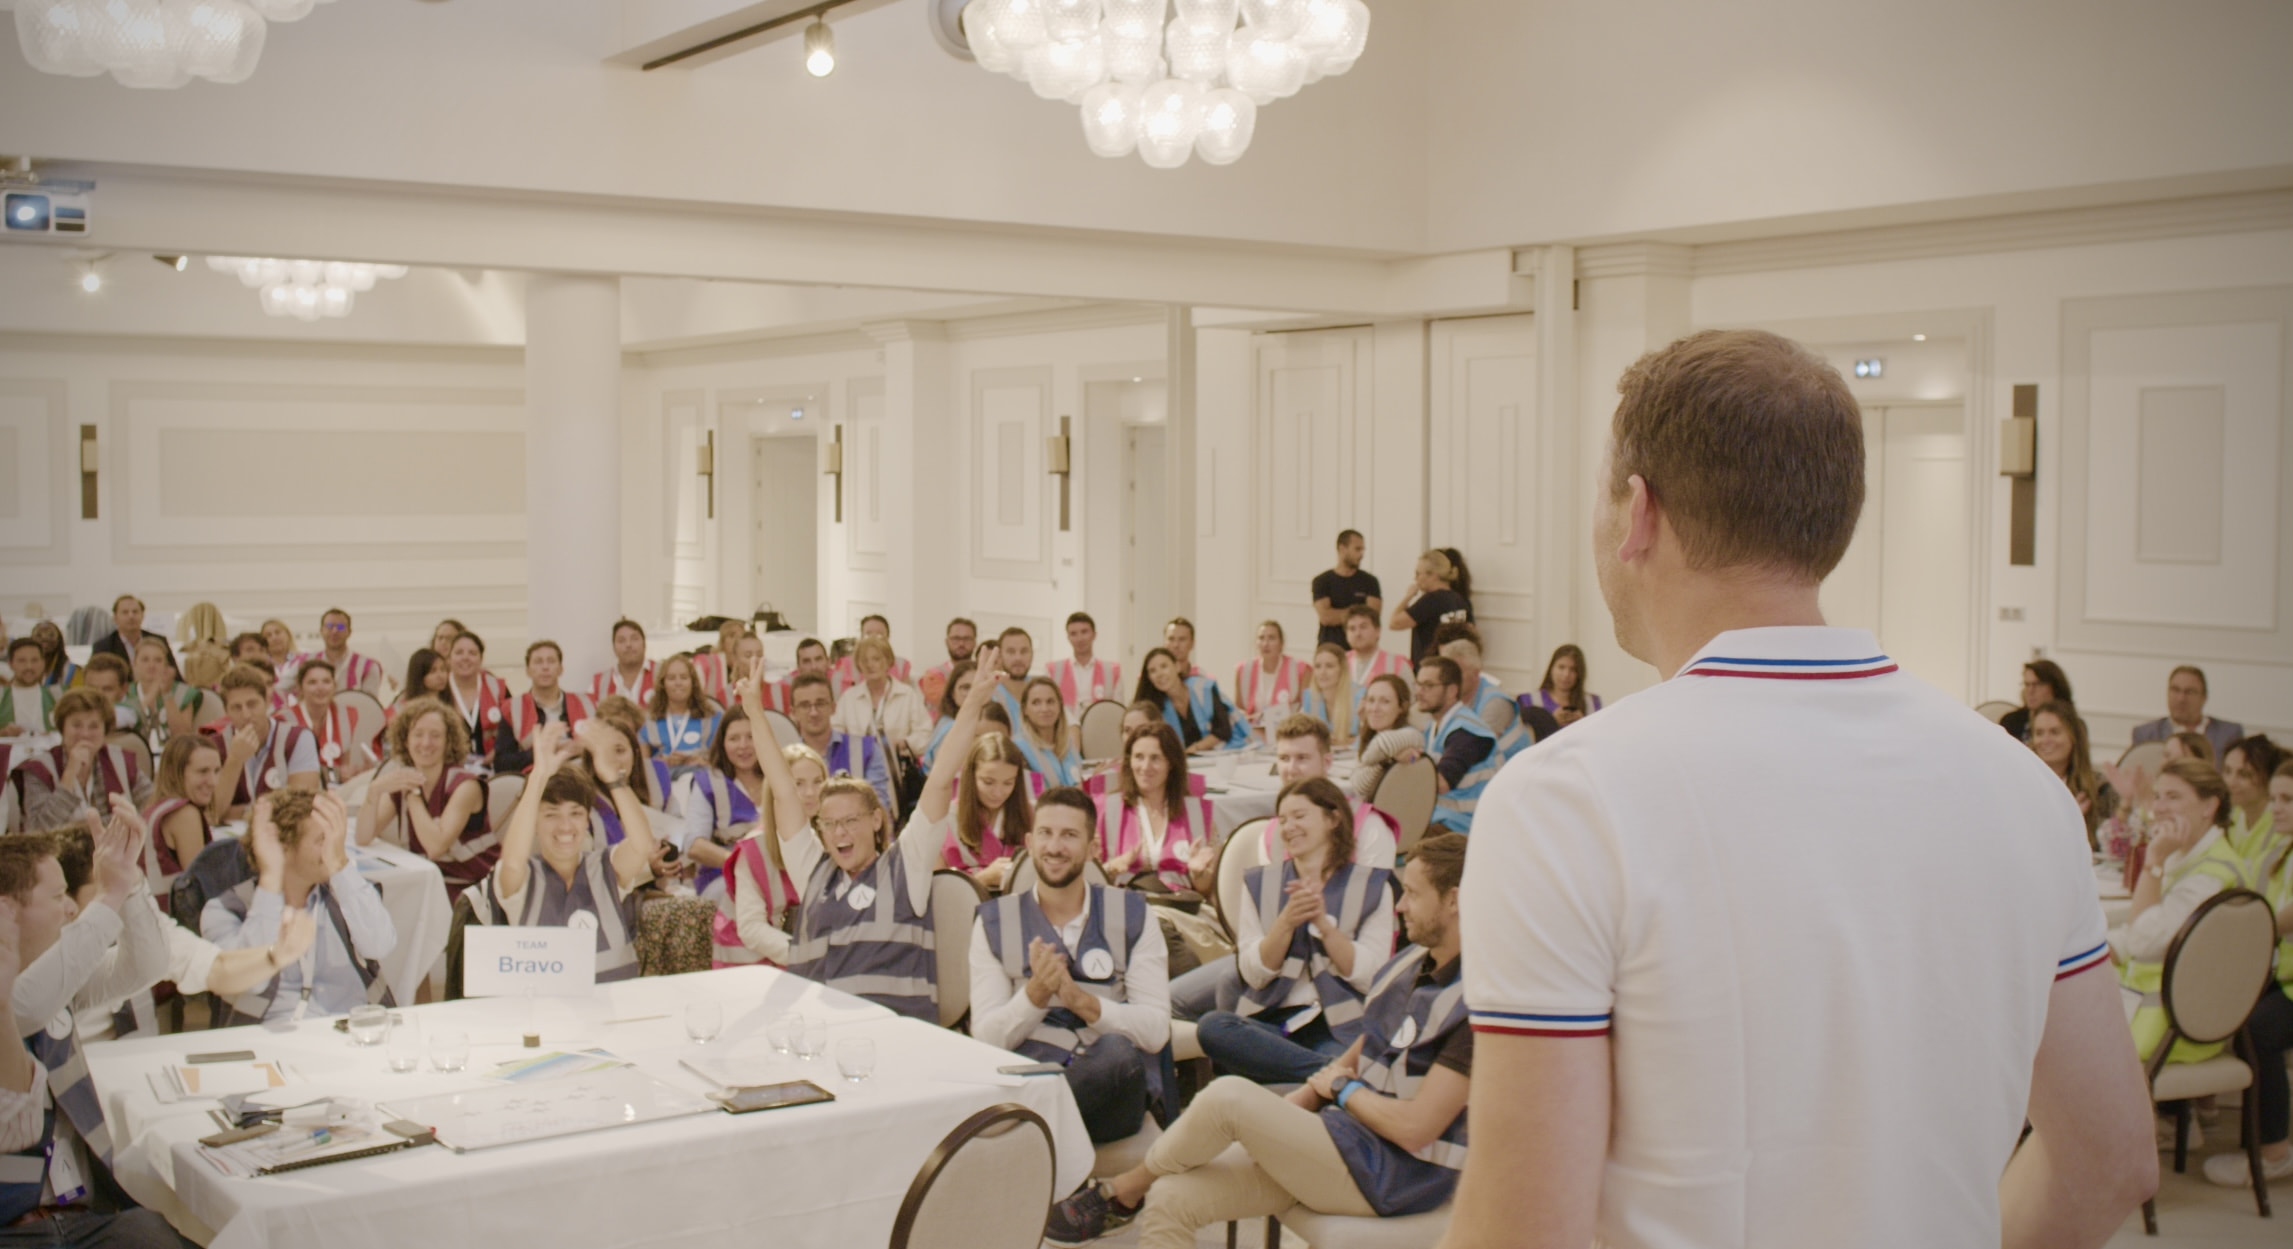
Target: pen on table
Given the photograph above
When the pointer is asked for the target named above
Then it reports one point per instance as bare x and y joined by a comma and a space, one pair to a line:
319, 1138
637, 1019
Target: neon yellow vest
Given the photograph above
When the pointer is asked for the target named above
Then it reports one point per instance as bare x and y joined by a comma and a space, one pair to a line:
2280, 895
2255, 844
2221, 862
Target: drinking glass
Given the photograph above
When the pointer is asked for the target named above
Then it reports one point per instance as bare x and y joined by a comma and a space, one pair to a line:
856, 1058
368, 1023
785, 1033
1223, 769
703, 1020
404, 1045
449, 1051
815, 1038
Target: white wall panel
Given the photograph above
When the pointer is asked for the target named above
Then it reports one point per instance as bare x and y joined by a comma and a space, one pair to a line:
1483, 481
1311, 457
869, 540
1011, 523
39, 472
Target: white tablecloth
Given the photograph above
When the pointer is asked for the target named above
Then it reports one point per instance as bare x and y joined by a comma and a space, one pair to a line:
2116, 901
1247, 791
814, 1175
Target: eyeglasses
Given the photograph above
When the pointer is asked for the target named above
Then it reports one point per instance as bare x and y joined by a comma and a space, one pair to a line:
853, 824
813, 704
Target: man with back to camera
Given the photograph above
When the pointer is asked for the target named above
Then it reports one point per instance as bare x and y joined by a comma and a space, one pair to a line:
1341, 589
1836, 986
2186, 695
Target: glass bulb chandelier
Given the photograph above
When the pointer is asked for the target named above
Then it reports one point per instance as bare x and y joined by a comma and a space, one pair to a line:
304, 289
1171, 90
151, 43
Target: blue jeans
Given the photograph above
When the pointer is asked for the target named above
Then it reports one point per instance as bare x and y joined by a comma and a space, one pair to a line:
1259, 1052
1215, 985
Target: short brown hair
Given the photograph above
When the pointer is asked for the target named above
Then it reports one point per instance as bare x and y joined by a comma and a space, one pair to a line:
544, 645
244, 677
107, 662
291, 815
20, 855
2206, 780
1751, 444
2194, 671
1303, 726
82, 702
1443, 857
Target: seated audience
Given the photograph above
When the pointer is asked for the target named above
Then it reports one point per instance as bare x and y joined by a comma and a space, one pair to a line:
204, 663
442, 637
2058, 736
2186, 693
1379, 1130
1178, 639
953, 691
631, 675
544, 702
762, 894
2188, 745
1464, 749
109, 676
1051, 744
296, 844
2246, 766
334, 727
247, 647
1314, 931
812, 656
1075, 974
962, 638
1460, 643
27, 702
81, 772
187, 790
681, 718
1562, 693
1193, 707
1271, 685
748, 658
164, 704
2043, 682
2188, 860
1364, 661
716, 665
1014, 655
992, 810
846, 671
880, 704
56, 667
1386, 735
1084, 678
427, 675
1434, 599
260, 752
722, 802
477, 696
279, 648
351, 671
613, 749
1151, 826
2270, 1029
813, 707
552, 873
426, 800
1329, 694
127, 631
864, 924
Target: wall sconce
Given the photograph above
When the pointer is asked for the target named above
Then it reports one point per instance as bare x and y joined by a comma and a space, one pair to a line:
91, 460
1058, 460
2018, 461
832, 464
708, 470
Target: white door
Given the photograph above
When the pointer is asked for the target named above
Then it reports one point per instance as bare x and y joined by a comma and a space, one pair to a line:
784, 536
1146, 529
1482, 470
1907, 576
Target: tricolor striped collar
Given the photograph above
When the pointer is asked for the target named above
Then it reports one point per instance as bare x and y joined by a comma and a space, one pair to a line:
1800, 653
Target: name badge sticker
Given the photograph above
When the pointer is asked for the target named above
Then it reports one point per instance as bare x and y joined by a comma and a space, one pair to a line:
1406, 1034
1098, 964
861, 897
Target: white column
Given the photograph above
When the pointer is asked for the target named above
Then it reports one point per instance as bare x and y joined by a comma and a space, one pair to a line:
925, 567
573, 467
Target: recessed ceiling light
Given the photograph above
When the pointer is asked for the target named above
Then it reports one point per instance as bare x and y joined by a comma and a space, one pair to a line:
1918, 338
1138, 379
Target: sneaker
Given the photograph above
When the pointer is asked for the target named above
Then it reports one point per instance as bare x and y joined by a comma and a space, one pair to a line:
2231, 1171
1091, 1212
2166, 1134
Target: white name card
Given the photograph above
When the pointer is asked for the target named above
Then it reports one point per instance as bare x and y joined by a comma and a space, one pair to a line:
500, 961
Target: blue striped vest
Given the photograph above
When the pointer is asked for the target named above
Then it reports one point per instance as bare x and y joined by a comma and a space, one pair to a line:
871, 764
1117, 918
881, 950
1405, 1028
24, 1174
1349, 895
1513, 740
733, 815
1454, 809
550, 902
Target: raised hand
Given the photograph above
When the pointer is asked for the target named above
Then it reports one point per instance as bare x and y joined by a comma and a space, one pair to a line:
597, 739
549, 752
1304, 905
270, 856
332, 823
11, 947
119, 852
1048, 970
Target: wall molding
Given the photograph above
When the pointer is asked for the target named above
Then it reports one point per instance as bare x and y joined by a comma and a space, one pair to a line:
1637, 259
1057, 321
259, 348
1033, 484
58, 478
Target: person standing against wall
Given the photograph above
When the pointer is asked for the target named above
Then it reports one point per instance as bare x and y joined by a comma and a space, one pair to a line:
1341, 589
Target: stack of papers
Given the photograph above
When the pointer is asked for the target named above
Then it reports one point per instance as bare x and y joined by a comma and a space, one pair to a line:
179, 1081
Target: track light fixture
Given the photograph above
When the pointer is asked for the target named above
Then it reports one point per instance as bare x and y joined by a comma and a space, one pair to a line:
819, 49
177, 263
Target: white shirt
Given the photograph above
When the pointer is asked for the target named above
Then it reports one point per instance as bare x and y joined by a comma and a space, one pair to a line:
1824, 916
900, 716
1001, 1014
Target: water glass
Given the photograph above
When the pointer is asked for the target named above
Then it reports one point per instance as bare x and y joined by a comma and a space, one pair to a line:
703, 1020
368, 1023
856, 1058
404, 1046
449, 1051
1223, 769
815, 1042
785, 1032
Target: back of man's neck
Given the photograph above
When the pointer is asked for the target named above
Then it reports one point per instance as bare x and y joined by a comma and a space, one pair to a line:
1702, 606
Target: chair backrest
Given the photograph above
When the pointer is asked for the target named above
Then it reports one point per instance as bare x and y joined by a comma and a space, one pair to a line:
783, 728
210, 708
86, 625
2218, 965
1245, 848
217, 869
364, 709
1502, 714
1406, 792
502, 793
1102, 729
1022, 874
137, 747
955, 904
2148, 756
986, 1186
1995, 710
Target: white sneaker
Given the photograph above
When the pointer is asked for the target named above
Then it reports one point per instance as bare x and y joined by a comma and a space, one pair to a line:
2231, 1171
2166, 1133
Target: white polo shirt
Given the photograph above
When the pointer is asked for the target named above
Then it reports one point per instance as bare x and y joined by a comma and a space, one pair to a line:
1818, 907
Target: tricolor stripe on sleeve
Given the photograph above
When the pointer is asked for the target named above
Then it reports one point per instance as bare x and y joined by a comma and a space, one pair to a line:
2076, 963
1514, 1023
1791, 669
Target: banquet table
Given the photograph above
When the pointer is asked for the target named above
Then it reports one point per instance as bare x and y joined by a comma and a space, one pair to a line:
1242, 785
830, 1174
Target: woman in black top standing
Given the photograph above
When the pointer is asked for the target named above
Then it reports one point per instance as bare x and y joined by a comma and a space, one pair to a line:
1434, 599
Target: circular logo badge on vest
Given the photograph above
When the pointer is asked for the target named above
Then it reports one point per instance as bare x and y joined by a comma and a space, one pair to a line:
1098, 964
330, 752
274, 778
862, 897
1405, 1034
1178, 850
493, 715
582, 921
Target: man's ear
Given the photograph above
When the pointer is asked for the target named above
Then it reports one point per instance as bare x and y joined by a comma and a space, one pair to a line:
1643, 521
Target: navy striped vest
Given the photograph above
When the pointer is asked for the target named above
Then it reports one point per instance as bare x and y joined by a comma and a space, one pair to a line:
24, 1174
1404, 1030
550, 902
1117, 919
882, 951
1348, 895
